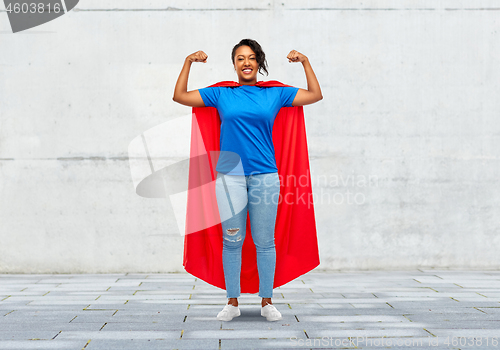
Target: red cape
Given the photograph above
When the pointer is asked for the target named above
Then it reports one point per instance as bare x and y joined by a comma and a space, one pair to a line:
295, 231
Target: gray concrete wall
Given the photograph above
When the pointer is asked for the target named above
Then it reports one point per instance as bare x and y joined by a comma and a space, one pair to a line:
404, 147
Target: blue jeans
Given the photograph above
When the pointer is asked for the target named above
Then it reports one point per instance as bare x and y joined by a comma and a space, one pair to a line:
259, 195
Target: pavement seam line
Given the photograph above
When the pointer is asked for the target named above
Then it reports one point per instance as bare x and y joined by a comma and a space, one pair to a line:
479, 310
352, 343
407, 318
88, 342
56, 335
429, 332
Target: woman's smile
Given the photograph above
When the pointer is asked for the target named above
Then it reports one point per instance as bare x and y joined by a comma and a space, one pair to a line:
246, 65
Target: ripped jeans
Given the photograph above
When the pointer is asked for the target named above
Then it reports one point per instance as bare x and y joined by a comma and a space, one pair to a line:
259, 195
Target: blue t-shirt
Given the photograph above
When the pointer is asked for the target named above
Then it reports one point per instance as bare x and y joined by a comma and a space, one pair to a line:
247, 115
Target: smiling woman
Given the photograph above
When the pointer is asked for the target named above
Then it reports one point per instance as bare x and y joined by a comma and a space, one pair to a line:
248, 55
248, 59
247, 111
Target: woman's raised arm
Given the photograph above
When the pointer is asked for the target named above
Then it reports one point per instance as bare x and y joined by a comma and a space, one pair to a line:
313, 92
181, 95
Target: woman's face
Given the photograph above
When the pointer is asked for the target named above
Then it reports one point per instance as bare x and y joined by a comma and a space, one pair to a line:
245, 64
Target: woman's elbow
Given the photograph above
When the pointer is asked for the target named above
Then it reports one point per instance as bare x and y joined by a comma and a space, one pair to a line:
176, 98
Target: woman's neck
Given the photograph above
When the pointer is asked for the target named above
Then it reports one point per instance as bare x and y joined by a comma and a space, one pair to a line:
253, 82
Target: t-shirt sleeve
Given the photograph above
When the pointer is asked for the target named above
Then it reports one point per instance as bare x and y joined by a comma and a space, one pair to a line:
210, 96
288, 95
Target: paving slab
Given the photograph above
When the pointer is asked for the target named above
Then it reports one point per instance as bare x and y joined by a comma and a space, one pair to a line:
380, 309
40, 344
153, 344
22, 334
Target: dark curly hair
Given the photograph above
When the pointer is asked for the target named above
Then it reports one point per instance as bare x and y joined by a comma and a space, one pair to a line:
260, 56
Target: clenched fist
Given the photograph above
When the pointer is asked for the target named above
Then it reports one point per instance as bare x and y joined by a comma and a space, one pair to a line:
295, 56
198, 56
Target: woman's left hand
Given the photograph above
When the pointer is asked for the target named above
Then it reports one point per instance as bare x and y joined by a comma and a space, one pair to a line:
295, 56
313, 92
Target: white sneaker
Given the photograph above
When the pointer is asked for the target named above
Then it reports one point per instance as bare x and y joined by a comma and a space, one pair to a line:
228, 313
270, 313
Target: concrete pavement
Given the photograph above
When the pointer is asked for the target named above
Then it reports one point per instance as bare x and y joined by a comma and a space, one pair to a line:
427, 309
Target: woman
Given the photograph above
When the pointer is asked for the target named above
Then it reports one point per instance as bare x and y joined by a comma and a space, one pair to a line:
247, 113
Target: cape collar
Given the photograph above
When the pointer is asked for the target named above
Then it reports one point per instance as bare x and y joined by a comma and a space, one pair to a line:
269, 83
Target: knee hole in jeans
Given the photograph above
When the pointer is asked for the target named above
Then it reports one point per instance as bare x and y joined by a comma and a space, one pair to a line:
232, 232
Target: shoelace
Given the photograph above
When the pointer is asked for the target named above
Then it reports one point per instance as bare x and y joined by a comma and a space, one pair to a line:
226, 308
274, 311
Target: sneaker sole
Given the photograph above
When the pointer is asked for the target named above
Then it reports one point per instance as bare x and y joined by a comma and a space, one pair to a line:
274, 319
228, 319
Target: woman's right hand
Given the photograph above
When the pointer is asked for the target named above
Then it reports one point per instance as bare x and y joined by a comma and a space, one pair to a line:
198, 56
181, 95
